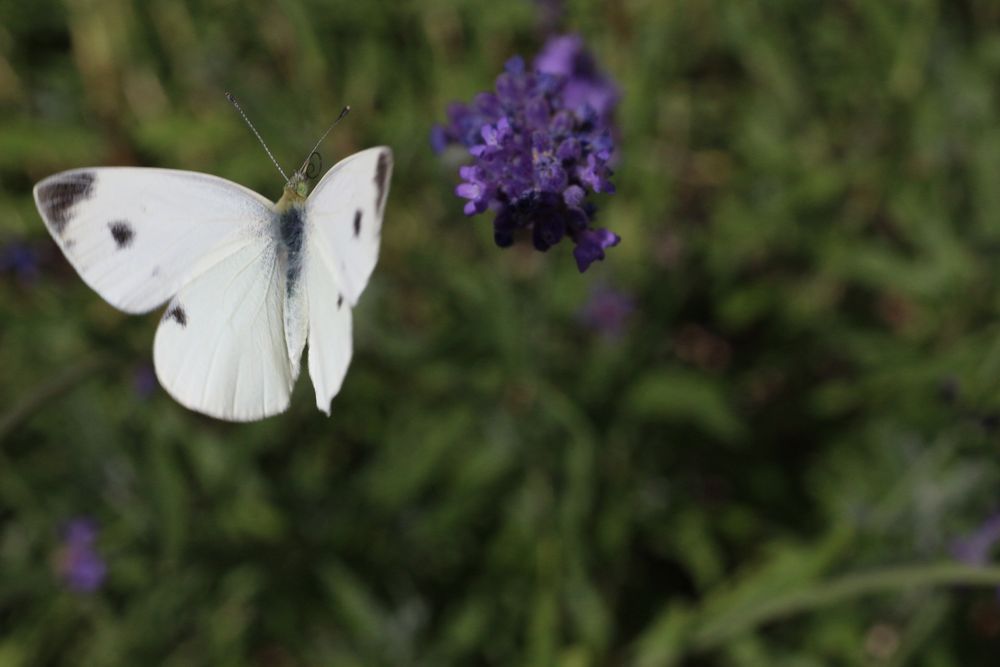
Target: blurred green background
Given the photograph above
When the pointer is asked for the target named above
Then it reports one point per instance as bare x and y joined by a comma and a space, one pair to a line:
774, 462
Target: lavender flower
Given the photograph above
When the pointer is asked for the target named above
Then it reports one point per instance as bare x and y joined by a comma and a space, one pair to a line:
567, 56
78, 564
538, 155
607, 311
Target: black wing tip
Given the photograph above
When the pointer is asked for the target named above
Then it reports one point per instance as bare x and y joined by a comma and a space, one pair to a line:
383, 171
57, 195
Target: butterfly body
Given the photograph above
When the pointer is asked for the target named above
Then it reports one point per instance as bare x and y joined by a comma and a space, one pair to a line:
247, 282
291, 228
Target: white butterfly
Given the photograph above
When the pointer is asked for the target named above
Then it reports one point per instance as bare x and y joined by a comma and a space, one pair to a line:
248, 282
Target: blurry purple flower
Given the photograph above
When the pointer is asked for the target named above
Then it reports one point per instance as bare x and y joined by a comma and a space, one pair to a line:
78, 564
439, 138
144, 381
976, 548
536, 160
585, 85
607, 311
21, 260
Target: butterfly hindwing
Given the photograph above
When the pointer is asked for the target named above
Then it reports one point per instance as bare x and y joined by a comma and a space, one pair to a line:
136, 235
330, 338
220, 348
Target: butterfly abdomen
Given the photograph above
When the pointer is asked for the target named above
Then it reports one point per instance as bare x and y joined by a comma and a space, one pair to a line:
291, 223
291, 227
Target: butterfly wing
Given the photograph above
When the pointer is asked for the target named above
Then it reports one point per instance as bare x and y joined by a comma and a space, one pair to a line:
344, 214
137, 235
220, 348
343, 230
141, 237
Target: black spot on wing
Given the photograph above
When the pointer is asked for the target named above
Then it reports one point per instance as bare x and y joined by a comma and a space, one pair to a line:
357, 223
122, 233
177, 314
58, 197
340, 301
382, 179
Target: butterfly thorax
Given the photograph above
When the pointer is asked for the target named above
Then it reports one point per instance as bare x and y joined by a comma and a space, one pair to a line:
294, 195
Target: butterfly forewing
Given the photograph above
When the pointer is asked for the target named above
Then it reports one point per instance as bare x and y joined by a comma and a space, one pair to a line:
343, 231
137, 235
345, 216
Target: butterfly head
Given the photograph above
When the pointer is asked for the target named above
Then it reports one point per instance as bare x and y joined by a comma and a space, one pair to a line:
297, 185
296, 189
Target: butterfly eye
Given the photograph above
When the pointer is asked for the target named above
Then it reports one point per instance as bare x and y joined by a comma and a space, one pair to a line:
301, 188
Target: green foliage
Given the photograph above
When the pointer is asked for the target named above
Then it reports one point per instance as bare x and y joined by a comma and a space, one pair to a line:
769, 467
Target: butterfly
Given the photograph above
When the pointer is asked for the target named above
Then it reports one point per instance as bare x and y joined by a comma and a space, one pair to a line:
247, 282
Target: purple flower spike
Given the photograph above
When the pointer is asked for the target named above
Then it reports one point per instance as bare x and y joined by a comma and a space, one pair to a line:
537, 152
78, 564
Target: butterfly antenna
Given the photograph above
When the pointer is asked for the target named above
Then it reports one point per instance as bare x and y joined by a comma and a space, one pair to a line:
229, 96
346, 110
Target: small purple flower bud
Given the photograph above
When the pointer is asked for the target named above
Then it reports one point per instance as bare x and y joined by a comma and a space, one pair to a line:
469, 190
541, 142
537, 112
488, 104
439, 138
604, 146
569, 150
508, 90
514, 66
503, 228
590, 246
585, 84
595, 174
573, 196
549, 174
577, 220
547, 232
562, 123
